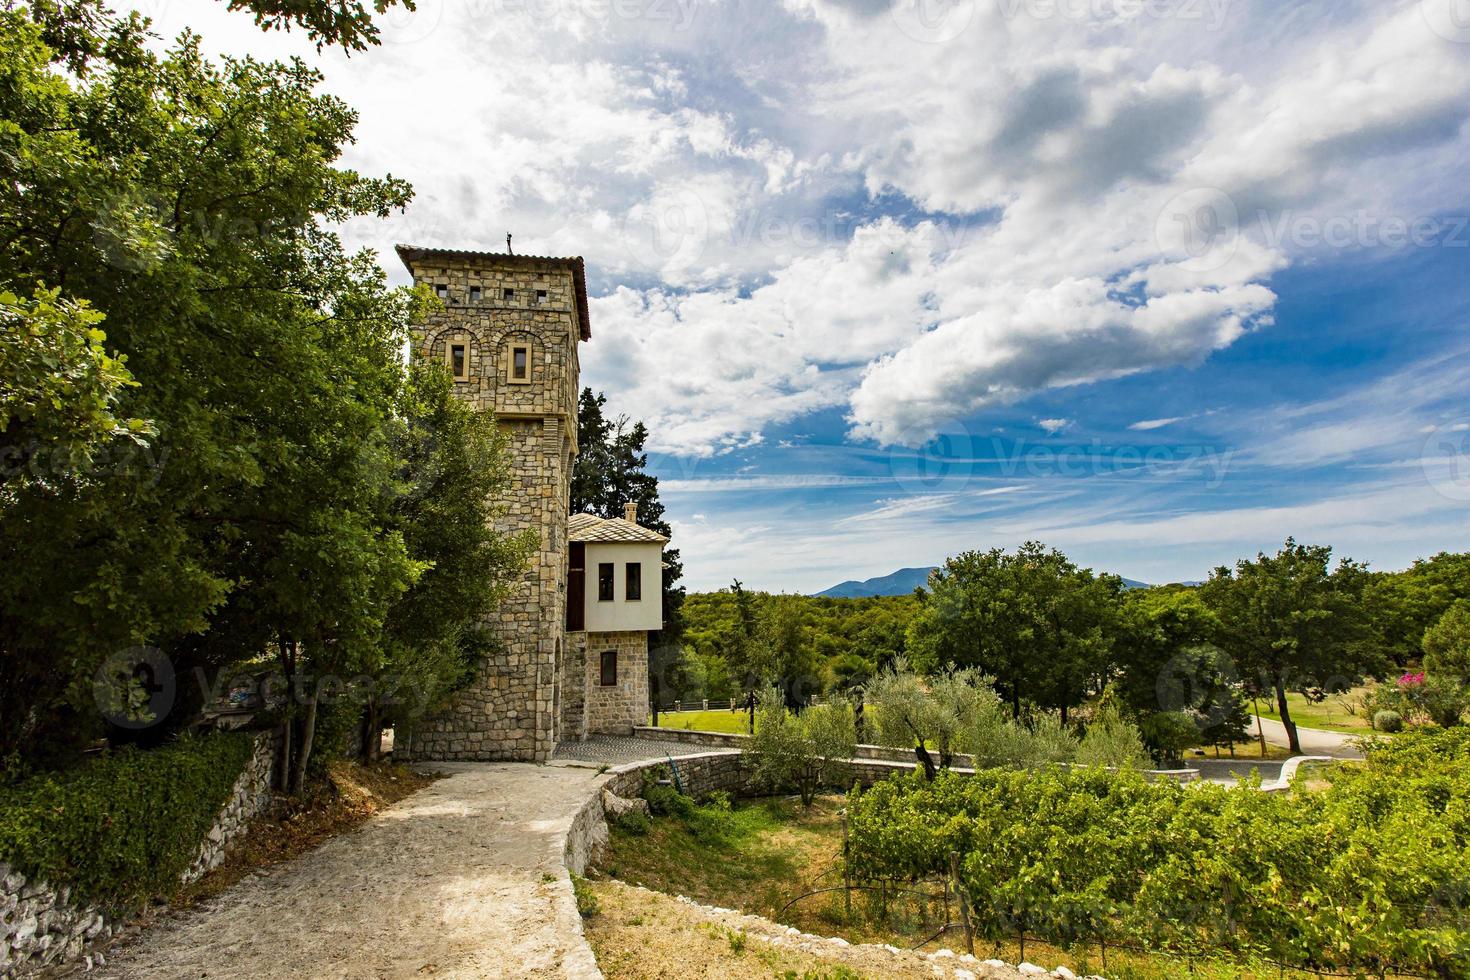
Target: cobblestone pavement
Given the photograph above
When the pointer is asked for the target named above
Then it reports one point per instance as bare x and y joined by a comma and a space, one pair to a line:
462, 879
618, 750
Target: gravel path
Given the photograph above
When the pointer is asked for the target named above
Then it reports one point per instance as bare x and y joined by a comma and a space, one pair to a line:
462, 879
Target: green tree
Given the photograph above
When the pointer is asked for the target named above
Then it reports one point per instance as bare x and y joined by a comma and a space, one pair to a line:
453, 468
190, 204
807, 750
58, 390
1447, 644
785, 641
1033, 620
1292, 621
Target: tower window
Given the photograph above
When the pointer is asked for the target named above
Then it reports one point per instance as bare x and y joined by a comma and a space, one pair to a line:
441, 290
633, 587
459, 361
540, 297
475, 294
518, 367
605, 581
609, 669
509, 295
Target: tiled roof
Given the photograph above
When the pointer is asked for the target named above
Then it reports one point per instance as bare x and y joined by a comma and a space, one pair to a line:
410, 254
590, 527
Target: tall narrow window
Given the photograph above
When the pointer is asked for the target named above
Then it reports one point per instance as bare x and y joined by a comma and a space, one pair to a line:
518, 367
633, 587
475, 293
605, 581
609, 666
459, 361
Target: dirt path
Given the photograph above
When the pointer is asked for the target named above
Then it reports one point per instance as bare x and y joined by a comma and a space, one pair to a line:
463, 879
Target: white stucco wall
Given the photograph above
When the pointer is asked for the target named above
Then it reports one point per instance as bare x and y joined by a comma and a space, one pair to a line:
620, 614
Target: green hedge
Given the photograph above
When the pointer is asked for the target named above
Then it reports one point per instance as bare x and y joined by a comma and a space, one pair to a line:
122, 828
1370, 874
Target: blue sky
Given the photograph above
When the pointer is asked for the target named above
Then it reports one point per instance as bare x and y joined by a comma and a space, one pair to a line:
1159, 283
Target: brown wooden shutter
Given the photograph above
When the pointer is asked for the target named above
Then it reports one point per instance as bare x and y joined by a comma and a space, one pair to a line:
577, 587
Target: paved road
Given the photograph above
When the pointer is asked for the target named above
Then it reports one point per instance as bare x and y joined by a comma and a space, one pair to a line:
1313, 741
462, 879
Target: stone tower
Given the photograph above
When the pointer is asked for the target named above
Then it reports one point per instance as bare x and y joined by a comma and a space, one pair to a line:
509, 334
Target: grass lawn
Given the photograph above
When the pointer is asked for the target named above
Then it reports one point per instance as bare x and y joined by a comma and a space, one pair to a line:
704, 721
1331, 715
770, 852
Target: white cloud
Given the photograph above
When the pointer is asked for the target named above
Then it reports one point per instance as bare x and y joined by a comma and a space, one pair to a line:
1148, 425
1053, 426
1102, 196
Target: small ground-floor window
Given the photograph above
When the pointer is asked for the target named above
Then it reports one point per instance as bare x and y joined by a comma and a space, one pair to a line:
609, 668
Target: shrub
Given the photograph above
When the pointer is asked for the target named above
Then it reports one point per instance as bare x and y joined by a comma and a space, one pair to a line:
1388, 721
122, 828
1112, 741
1365, 876
1169, 733
805, 751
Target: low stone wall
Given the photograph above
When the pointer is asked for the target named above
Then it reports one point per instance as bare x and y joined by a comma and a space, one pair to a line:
724, 771
877, 753
41, 927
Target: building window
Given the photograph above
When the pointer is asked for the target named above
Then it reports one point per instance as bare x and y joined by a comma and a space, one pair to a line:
441, 290
518, 366
475, 293
509, 295
540, 297
459, 361
633, 587
605, 581
609, 668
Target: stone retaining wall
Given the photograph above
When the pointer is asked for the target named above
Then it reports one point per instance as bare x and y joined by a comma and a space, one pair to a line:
41, 927
878, 753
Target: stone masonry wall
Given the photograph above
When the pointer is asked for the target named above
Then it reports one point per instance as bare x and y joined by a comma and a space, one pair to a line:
512, 709
40, 926
574, 689
617, 709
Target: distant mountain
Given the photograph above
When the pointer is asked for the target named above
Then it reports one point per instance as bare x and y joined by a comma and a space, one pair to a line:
904, 581
901, 582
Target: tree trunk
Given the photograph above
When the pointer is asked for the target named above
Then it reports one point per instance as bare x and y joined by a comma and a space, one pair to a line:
303, 754
1291, 737
372, 735
922, 754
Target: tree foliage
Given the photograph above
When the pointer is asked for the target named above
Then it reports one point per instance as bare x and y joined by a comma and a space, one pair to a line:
251, 369
807, 751
1291, 620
